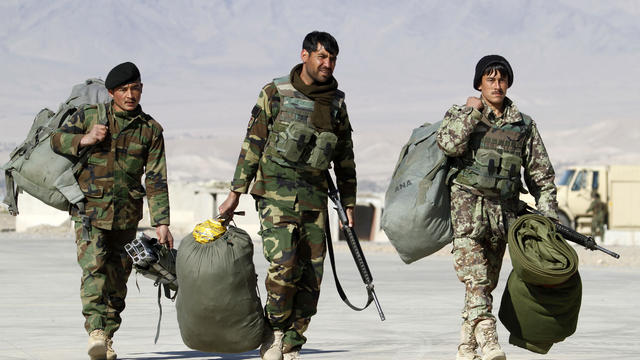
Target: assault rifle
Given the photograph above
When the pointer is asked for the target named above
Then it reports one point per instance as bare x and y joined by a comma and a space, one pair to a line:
356, 252
568, 233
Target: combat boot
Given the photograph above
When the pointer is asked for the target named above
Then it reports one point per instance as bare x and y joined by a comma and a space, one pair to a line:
111, 354
294, 355
487, 338
97, 348
468, 343
271, 348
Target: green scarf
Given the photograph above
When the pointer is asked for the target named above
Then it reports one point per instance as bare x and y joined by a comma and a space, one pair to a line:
322, 94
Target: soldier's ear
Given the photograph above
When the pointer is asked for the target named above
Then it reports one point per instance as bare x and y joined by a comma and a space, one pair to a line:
304, 55
110, 92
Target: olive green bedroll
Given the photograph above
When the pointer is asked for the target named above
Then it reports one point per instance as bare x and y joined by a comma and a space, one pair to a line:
541, 302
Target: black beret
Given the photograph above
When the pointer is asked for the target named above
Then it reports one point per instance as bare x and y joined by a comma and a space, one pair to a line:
124, 73
485, 62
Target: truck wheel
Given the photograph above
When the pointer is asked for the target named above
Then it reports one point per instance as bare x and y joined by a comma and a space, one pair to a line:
564, 220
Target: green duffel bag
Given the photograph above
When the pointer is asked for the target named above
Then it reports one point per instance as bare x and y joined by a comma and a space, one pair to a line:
417, 208
218, 304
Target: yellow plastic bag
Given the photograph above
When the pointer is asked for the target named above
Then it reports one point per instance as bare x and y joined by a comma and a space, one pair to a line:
208, 231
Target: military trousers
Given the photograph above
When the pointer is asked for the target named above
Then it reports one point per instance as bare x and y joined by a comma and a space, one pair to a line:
480, 237
294, 245
105, 271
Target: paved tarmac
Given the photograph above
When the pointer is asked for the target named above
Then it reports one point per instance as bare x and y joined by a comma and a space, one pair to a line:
40, 314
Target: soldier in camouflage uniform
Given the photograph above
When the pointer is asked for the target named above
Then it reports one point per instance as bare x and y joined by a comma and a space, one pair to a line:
599, 217
297, 128
489, 140
125, 143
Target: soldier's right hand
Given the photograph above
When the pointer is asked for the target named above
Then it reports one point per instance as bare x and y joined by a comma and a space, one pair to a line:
95, 135
226, 209
475, 102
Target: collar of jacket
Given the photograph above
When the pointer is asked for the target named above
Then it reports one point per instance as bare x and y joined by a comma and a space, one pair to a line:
511, 114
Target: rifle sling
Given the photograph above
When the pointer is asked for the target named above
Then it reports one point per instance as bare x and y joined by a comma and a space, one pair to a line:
341, 292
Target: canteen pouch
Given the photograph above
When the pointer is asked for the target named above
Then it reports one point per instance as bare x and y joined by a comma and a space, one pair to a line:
321, 154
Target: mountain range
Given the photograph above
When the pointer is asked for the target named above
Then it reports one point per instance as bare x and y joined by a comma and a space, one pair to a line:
401, 64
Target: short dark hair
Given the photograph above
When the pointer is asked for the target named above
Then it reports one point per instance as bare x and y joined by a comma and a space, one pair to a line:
325, 39
496, 68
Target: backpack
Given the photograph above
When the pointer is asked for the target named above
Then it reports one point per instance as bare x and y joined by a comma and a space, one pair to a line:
417, 209
35, 168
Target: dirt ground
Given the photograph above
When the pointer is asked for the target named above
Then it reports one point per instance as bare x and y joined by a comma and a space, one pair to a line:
7, 222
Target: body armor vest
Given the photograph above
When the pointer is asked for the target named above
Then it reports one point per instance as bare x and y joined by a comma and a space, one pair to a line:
492, 163
293, 140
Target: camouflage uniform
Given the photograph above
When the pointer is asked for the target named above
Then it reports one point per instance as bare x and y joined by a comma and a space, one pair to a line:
599, 218
111, 182
292, 204
480, 222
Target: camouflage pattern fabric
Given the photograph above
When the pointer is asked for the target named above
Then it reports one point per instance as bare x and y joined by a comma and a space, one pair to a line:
480, 238
599, 217
294, 245
105, 270
291, 203
480, 224
285, 184
459, 123
111, 179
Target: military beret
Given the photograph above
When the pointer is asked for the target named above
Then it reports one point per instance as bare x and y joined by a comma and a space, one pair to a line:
124, 73
487, 61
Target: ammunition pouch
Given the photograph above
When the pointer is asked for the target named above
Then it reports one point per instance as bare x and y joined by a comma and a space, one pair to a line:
493, 174
292, 143
321, 154
300, 146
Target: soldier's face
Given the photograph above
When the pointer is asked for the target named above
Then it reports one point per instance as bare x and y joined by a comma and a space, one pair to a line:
494, 88
318, 65
126, 97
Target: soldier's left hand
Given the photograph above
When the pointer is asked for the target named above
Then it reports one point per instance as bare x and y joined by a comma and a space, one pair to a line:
164, 235
350, 217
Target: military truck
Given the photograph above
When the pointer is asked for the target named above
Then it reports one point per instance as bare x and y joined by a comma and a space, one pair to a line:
618, 186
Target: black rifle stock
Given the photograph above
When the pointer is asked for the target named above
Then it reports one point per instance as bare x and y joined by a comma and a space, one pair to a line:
356, 252
570, 234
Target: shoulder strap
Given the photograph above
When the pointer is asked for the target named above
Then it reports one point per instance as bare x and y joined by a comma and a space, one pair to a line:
11, 194
103, 119
341, 292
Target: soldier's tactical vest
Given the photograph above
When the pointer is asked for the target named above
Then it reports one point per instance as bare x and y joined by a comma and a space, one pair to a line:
293, 140
492, 163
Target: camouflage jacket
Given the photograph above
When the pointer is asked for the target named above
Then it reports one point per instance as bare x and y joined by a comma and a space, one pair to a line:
288, 185
598, 208
459, 123
111, 178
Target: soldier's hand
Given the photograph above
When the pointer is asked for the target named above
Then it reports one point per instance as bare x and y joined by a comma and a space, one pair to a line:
475, 102
164, 235
95, 135
350, 217
226, 209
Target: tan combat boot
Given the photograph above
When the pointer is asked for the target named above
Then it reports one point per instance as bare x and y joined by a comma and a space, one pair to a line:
111, 354
487, 338
271, 348
468, 344
294, 355
97, 348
